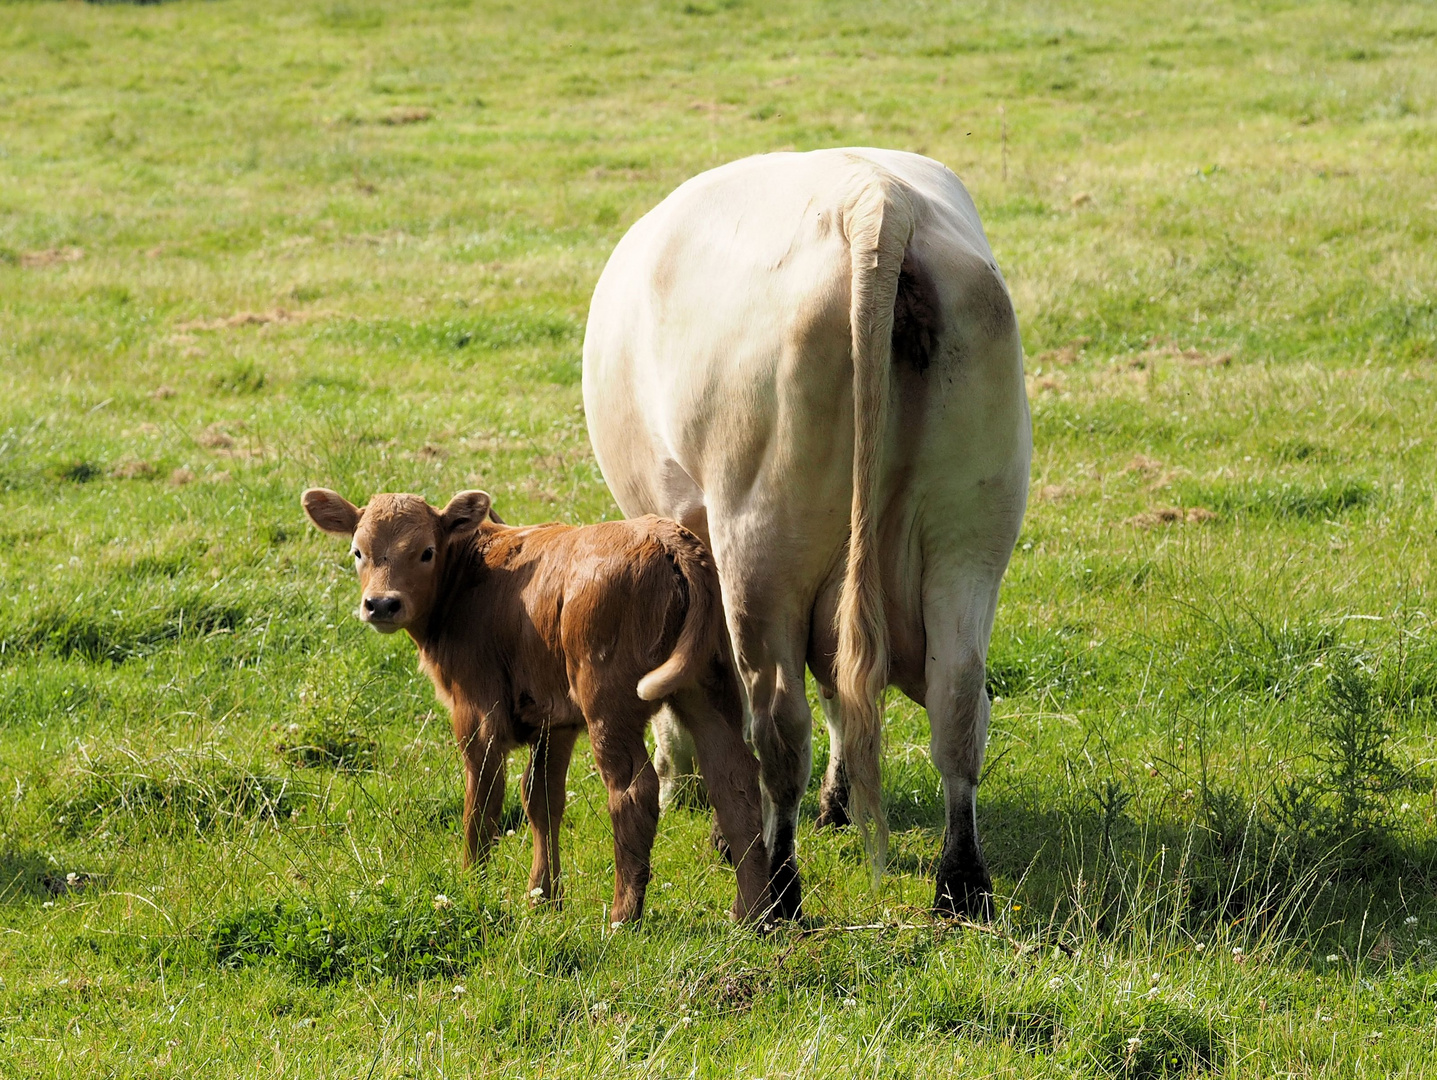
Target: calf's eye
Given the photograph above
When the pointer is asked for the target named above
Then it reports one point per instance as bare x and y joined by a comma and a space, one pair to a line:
428, 554
355, 553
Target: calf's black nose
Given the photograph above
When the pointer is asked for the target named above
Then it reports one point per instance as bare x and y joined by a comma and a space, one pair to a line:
382, 607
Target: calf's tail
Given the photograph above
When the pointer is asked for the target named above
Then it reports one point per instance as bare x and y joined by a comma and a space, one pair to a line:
699, 636
878, 221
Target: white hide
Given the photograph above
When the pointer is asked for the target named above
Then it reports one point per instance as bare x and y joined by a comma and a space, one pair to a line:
719, 386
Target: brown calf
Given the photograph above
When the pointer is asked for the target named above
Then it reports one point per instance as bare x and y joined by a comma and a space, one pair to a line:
532, 634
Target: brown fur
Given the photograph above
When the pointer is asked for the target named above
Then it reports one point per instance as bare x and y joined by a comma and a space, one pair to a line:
533, 634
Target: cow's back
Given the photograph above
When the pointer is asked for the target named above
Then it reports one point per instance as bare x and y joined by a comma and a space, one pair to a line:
718, 369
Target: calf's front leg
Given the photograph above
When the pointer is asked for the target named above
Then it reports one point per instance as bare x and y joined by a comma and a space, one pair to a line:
542, 790
484, 760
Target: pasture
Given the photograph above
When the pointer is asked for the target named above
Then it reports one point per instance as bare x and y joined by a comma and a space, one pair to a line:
250, 247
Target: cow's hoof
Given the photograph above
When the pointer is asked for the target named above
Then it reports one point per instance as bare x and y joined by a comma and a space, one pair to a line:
683, 792
720, 842
787, 892
965, 896
833, 808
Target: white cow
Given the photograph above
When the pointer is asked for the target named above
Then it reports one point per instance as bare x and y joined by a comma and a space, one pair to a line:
811, 360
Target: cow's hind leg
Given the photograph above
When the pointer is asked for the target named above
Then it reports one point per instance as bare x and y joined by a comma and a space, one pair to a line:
543, 792
783, 736
833, 795
958, 618
624, 763
676, 762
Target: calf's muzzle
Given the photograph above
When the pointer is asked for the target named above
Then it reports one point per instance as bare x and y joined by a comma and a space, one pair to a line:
380, 609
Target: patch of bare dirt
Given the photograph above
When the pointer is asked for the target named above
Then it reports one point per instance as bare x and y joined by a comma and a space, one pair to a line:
1143, 465
133, 470
1171, 515
1052, 493
51, 257
180, 477
1193, 357
1063, 354
215, 437
407, 114
250, 318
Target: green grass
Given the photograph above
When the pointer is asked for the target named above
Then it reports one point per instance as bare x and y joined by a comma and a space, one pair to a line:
247, 248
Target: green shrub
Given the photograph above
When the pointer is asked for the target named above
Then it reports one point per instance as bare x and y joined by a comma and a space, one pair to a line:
328, 744
368, 932
1156, 1039
175, 793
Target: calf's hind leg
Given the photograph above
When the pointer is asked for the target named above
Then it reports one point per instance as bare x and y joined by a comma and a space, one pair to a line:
715, 720
633, 785
542, 790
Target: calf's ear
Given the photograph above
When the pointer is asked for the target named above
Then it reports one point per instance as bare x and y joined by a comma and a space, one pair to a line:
466, 508
331, 511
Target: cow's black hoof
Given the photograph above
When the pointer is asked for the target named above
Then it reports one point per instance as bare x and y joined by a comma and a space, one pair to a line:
965, 896
833, 808
787, 892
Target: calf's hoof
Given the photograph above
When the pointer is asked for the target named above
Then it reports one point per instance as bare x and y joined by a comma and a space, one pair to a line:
965, 895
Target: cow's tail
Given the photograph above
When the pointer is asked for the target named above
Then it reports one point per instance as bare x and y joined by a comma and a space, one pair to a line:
878, 221
699, 636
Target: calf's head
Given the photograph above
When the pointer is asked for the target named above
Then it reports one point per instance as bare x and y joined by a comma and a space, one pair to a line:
398, 543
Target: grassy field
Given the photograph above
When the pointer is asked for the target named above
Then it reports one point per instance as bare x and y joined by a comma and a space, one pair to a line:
250, 247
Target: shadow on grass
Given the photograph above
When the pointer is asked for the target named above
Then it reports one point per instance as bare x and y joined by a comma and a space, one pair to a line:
29, 875
1092, 868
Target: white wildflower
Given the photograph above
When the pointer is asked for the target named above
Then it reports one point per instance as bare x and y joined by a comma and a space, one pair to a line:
442, 902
